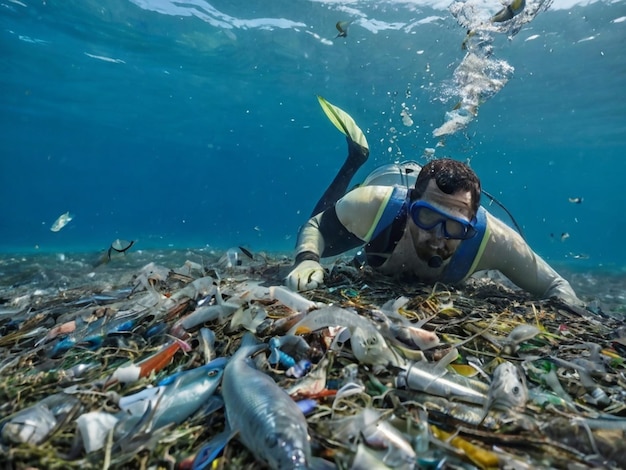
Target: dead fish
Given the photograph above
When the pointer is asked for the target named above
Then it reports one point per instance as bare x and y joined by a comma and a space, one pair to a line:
508, 389
268, 422
575, 200
342, 27
518, 335
173, 400
207, 344
61, 221
177, 396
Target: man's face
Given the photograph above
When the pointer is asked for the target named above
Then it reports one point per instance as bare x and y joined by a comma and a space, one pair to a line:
429, 243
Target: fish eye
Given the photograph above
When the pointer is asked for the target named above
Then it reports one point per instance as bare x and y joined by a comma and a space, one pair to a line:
212, 373
515, 390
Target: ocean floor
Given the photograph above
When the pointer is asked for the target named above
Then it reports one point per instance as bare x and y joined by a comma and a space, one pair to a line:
117, 364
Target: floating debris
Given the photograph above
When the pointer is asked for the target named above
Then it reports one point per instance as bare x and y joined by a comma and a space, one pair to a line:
173, 359
479, 76
61, 221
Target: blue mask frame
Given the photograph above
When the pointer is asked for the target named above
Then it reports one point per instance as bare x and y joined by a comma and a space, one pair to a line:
427, 217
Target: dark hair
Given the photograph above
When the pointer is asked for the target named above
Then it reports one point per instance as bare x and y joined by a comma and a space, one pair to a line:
451, 176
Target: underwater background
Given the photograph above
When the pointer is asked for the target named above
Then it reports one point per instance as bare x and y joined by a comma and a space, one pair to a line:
195, 123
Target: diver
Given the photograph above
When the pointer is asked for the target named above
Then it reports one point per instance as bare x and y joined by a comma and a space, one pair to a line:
426, 223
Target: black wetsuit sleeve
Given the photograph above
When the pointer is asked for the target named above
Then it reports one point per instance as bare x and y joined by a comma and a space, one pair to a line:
324, 235
337, 239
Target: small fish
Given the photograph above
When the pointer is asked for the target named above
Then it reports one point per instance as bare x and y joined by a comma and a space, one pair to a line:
62, 221
575, 200
246, 252
207, 344
342, 27
564, 236
175, 397
509, 11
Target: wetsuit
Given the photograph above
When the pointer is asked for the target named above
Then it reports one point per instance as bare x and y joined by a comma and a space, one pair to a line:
376, 216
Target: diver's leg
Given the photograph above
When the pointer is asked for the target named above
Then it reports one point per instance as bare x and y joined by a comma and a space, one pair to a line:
357, 156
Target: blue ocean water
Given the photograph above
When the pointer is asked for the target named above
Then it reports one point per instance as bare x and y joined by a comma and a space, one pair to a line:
195, 123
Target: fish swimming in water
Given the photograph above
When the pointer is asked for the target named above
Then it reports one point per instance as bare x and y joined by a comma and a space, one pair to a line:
509, 11
61, 221
505, 14
575, 200
342, 27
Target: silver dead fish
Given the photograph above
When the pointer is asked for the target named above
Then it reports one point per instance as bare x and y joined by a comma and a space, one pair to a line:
267, 420
508, 389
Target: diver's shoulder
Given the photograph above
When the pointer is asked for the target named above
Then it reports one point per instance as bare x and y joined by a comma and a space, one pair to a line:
371, 195
360, 208
499, 230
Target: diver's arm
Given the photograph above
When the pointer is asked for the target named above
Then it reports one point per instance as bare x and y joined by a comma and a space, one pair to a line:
344, 226
507, 252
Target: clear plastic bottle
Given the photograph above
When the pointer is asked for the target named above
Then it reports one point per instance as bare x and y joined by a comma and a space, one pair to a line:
232, 258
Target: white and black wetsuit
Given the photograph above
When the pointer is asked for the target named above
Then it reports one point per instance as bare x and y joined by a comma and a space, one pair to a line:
374, 215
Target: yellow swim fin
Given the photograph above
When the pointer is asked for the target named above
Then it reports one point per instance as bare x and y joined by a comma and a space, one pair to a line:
344, 122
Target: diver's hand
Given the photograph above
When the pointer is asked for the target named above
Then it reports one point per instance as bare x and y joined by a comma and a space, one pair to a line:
307, 275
